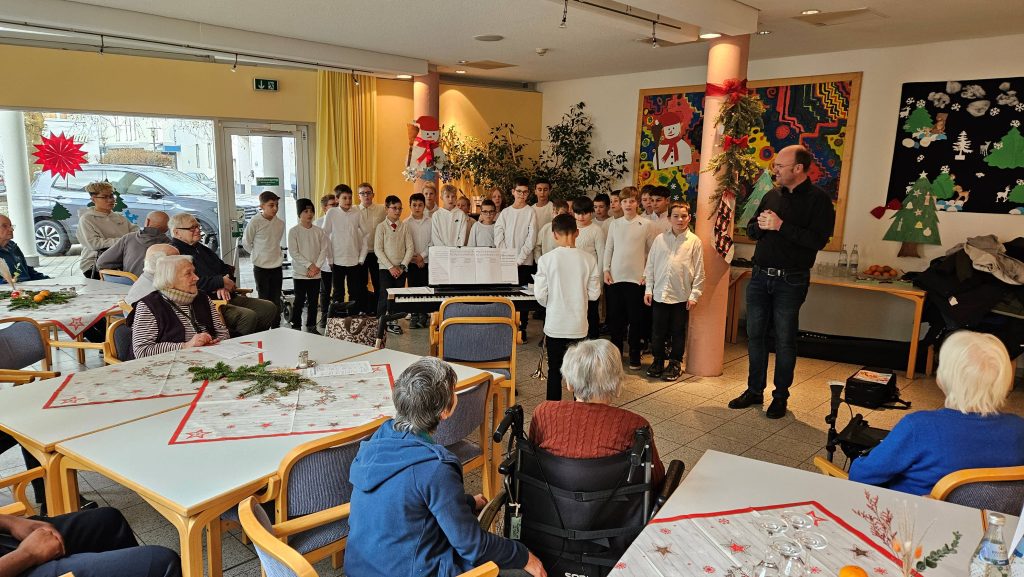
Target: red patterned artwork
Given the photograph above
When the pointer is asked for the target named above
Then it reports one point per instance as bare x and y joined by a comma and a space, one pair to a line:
60, 155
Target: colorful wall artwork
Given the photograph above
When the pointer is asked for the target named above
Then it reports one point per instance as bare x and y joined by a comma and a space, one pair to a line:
818, 112
963, 138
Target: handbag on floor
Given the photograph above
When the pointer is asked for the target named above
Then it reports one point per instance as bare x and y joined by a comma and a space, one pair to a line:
359, 329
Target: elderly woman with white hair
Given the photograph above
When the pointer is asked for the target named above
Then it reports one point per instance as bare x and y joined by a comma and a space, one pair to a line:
976, 375
175, 315
590, 427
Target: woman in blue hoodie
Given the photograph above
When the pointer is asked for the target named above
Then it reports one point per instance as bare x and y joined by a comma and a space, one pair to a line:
410, 514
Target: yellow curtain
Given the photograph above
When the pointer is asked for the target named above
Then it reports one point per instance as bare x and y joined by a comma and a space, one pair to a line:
346, 130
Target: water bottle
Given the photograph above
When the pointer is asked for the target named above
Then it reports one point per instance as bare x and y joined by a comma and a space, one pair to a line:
854, 258
841, 266
990, 558
1017, 561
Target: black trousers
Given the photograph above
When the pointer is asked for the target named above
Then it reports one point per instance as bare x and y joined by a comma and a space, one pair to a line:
419, 276
593, 319
326, 287
99, 543
370, 266
556, 352
306, 293
6, 442
526, 272
354, 277
384, 282
626, 310
669, 322
268, 287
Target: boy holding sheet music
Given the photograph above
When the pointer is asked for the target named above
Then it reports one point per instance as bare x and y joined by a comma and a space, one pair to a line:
567, 279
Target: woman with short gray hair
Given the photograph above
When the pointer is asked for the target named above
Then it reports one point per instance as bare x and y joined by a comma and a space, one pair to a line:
409, 512
590, 427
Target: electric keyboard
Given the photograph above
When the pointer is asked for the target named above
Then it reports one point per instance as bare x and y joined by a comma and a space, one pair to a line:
431, 303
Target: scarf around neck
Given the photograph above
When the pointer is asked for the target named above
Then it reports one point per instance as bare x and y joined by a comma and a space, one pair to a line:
177, 296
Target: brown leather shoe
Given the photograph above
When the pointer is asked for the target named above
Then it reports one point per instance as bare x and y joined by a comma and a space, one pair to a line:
747, 399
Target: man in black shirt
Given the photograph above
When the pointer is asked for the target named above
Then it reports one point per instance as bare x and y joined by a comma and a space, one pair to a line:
794, 222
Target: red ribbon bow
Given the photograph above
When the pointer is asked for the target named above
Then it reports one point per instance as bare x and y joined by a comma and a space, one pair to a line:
427, 158
879, 211
729, 142
732, 88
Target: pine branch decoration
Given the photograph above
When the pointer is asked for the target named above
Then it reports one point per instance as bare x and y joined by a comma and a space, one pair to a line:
735, 167
27, 299
264, 380
931, 561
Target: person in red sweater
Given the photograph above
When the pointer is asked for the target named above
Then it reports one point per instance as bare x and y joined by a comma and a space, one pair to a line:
590, 427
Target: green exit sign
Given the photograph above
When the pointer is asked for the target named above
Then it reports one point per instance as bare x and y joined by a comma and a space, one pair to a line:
268, 181
265, 84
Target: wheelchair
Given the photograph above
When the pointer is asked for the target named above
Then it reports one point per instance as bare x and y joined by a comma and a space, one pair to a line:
578, 516
858, 437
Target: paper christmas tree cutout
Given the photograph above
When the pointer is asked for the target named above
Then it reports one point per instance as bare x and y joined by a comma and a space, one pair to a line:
1017, 194
761, 187
60, 212
942, 187
1008, 152
916, 222
918, 119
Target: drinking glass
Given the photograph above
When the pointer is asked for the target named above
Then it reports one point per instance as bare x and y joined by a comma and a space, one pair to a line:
791, 553
772, 525
797, 521
811, 539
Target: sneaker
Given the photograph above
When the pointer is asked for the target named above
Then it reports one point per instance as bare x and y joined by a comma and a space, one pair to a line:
656, 369
522, 337
673, 372
634, 364
745, 400
777, 409
395, 329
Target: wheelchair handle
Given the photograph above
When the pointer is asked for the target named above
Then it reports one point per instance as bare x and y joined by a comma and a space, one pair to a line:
512, 415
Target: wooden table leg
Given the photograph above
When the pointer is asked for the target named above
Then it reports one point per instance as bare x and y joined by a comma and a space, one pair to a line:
915, 334
50, 463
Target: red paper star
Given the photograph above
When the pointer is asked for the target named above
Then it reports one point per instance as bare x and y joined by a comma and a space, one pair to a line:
814, 517
60, 155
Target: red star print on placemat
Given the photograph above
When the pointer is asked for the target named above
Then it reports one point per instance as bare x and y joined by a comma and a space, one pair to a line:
881, 571
69, 400
723, 521
197, 434
76, 323
814, 517
665, 531
709, 569
737, 548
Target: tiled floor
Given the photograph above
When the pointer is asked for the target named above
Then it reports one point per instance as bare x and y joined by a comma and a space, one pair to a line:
688, 416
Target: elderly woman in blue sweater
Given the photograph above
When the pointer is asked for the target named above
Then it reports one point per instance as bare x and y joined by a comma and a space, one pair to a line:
410, 513
976, 375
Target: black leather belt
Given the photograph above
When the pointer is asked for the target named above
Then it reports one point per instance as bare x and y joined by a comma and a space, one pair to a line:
778, 271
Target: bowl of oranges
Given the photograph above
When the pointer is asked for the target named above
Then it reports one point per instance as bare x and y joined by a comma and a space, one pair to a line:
882, 272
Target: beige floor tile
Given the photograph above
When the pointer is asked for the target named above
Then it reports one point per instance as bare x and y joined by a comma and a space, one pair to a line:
711, 441
791, 448
770, 457
742, 432
677, 432
703, 422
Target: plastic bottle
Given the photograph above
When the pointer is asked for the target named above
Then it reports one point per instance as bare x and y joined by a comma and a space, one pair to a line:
1017, 561
841, 266
990, 559
854, 264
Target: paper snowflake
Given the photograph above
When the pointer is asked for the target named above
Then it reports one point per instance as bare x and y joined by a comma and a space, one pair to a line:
60, 155
1019, 107
945, 169
994, 112
910, 101
920, 103
1015, 123
1020, 181
920, 157
997, 145
955, 106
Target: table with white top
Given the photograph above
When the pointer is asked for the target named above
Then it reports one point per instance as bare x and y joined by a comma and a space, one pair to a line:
39, 430
192, 484
721, 482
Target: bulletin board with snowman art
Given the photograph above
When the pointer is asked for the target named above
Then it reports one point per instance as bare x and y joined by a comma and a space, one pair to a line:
819, 112
961, 138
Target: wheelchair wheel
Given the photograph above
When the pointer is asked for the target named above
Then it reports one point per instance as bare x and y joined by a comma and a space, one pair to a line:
492, 517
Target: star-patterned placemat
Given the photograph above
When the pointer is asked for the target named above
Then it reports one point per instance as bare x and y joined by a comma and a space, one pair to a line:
730, 543
334, 404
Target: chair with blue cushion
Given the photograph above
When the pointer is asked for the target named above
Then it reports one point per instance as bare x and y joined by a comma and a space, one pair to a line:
117, 276
310, 492
24, 342
995, 489
470, 417
117, 347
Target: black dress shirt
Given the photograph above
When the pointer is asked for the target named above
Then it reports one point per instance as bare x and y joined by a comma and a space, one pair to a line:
808, 218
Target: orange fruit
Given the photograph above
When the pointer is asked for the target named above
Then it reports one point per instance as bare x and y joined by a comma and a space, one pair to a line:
38, 298
45, 293
852, 571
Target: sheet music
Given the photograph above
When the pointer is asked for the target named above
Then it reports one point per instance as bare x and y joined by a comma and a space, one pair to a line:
339, 369
509, 268
462, 265
473, 265
438, 269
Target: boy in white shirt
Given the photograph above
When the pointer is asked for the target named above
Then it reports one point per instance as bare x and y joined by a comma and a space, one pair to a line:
349, 245
675, 282
462, 203
482, 233
659, 208
307, 245
647, 211
545, 240
448, 223
545, 210
372, 215
615, 208
262, 240
625, 256
516, 229
394, 247
327, 202
602, 202
429, 192
591, 241
567, 279
419, 226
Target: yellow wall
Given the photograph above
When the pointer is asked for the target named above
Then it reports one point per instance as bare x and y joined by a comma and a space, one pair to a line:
65, 80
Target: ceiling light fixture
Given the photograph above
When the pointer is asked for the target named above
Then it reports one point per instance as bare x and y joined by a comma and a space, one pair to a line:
234, 67
103, 44
810, 12
463, 61
763, 32
404, 77
489, 37
355, 79
710, 35
460, 71
565, 14
654, 34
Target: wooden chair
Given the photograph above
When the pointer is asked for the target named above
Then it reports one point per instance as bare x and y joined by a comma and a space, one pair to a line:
442, 314
996, 489
830, 469
18, 483
471, 416
117, 347
310, 492
25, 342
118, 276
488, 569
276, 557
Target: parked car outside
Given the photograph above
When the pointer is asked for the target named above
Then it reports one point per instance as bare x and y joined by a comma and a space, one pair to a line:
204, 180
142, 188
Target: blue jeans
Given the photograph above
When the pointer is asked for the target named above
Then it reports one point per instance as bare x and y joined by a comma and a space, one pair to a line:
773, 303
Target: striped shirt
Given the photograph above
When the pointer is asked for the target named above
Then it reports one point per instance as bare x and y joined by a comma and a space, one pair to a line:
146, 335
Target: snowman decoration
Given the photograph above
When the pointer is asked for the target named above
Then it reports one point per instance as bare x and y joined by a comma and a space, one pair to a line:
425, 154
672, 149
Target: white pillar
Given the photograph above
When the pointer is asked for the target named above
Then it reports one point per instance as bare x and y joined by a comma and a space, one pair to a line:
273, 163
14, 151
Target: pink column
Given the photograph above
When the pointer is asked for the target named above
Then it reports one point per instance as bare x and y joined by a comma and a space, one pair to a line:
727, 59
426, 101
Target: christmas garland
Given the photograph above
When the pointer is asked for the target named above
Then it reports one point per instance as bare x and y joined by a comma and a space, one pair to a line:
33, 300
734, 166
264, 380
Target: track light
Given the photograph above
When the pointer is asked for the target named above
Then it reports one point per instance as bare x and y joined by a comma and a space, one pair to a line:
565, 14
103, 45
654, 34
355, 79
234, 67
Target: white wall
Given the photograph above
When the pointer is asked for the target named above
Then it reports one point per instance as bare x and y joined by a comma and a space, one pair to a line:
612, 100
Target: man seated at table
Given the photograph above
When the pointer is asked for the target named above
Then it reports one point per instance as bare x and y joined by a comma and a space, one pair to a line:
243, 315
409, 512
95, 543
969, 433
129, 252
176, 315
12, 255
144, 285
